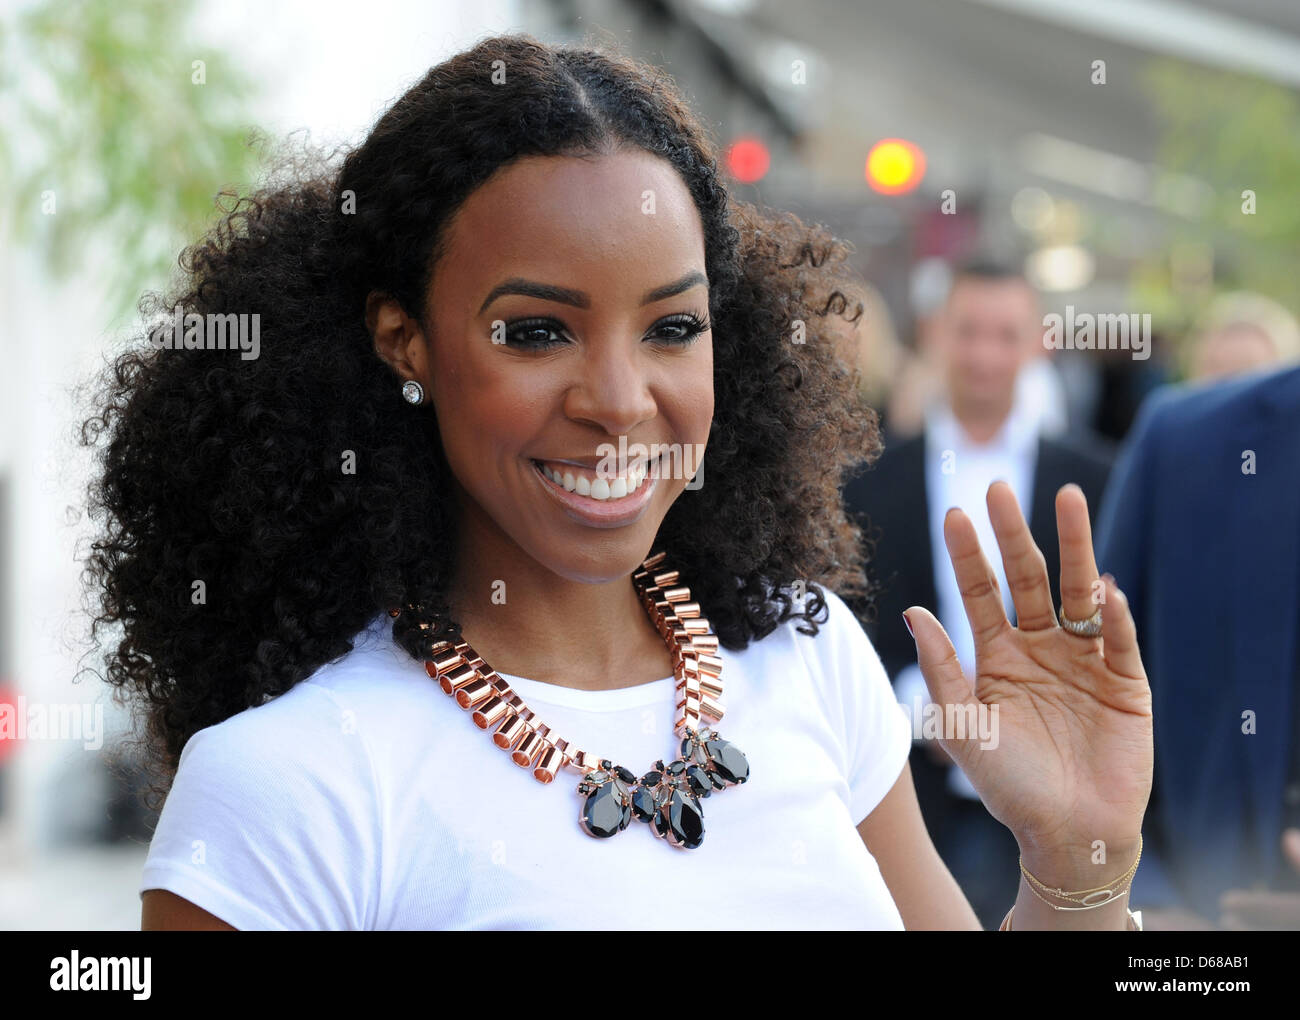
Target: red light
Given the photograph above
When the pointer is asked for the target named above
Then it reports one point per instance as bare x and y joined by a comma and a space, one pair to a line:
748, 160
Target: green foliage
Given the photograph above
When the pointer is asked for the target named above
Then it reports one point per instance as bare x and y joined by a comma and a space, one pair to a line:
106, 115
1237, 133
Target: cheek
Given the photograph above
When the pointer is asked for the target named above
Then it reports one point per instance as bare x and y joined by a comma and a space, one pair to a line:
484, 409
693, 399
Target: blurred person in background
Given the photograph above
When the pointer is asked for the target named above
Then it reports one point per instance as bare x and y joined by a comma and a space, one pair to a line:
1201, 528
982, 429
917, 381
1243, 332
1041, 394
1122, 384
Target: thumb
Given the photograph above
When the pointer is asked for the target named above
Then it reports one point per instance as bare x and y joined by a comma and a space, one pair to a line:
1291, 847
937, 659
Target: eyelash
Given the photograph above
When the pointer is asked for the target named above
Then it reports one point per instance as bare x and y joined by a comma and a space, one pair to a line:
693, 324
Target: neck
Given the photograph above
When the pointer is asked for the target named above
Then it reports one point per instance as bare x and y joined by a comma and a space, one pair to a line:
528, 621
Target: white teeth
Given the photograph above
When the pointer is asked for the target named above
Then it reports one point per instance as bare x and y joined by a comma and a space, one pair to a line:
599, 488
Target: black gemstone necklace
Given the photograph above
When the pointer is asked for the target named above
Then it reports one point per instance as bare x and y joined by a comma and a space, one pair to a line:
668, 796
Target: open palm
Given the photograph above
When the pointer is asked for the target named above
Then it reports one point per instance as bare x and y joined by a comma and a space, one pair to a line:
1073, 756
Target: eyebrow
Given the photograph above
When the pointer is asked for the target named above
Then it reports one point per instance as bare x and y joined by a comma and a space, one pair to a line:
577, 298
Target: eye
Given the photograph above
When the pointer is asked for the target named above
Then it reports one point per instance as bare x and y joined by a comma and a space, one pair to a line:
682, 329
543, 334
533, 334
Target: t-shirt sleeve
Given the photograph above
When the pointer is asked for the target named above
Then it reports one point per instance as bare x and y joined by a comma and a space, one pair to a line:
271, 820
874, 728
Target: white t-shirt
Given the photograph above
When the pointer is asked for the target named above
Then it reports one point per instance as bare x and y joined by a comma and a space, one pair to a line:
365, 798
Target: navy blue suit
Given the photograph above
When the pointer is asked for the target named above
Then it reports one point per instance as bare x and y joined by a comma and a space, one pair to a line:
1209, 556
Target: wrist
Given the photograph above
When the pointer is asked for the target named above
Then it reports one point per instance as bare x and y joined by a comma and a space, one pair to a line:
1075, 867
1031, 913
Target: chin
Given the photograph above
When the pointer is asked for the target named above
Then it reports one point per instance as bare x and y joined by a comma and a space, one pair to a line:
601, 559
594, 555
581, 540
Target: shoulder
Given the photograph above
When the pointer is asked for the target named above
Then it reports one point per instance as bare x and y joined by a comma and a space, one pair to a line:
300, 725
835, 620
841, 624
285, 769
311, 708
840, 652
312, 738
275, 816
377, 677
857, 701
1210, 406
1182, 424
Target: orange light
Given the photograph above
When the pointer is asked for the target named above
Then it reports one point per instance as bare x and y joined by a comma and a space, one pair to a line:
895, 166
748, 160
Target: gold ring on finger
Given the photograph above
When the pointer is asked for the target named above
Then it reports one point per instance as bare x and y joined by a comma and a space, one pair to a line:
1091, 627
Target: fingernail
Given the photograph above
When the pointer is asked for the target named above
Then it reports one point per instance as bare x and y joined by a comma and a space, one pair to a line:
909, 627
1110, 578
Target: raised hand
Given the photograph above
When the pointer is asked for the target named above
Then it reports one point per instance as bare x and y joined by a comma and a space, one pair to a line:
1073, 756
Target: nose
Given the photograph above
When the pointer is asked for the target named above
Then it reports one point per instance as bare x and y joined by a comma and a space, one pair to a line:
613, 389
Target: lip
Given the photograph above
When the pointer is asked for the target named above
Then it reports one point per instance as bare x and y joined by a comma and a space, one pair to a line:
594, 463
599, 513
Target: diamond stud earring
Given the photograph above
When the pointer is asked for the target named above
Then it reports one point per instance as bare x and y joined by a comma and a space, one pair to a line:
412, 392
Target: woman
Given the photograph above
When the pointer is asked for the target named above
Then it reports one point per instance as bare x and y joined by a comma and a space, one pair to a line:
417, 487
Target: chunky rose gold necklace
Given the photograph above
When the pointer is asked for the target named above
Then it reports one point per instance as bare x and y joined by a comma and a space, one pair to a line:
668, 796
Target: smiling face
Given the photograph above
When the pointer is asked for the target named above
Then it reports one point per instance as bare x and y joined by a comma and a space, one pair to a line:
566, 313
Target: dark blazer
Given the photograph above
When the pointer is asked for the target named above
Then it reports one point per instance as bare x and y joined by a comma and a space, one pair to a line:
890, 501
1209, 558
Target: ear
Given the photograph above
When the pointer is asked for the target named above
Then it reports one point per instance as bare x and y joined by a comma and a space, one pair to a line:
399, 339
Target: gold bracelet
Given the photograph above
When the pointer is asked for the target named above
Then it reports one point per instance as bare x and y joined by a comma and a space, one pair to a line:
1134, 920
1085, 892
1111, 891
1111, 897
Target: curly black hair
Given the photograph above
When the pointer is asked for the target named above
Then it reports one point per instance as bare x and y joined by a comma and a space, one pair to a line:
228, 470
